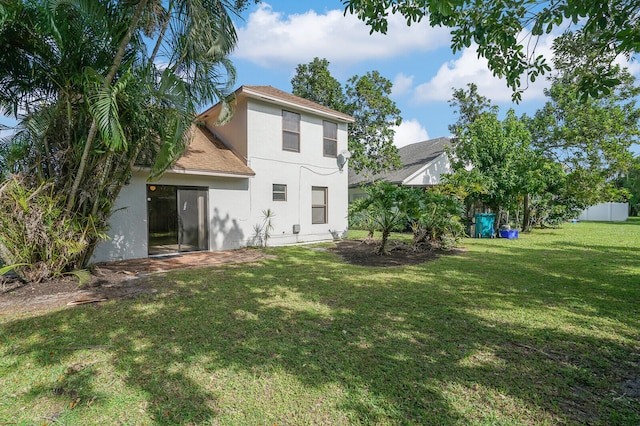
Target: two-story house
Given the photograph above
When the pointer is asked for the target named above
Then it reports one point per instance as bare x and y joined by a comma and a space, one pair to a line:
279, 152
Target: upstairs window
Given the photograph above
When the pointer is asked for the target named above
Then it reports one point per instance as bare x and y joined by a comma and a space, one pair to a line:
318, 204
290, 131
279, 192
330, 139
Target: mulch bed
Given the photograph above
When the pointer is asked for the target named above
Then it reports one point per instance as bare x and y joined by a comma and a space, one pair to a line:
362, 252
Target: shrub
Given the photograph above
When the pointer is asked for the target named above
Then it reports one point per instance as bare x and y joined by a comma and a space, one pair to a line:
34, 231
433, 215
436, 218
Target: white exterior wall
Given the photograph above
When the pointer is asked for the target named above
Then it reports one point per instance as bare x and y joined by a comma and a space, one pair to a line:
234, 133
229, 205
430, 175
607, 212
127, 225
298, 170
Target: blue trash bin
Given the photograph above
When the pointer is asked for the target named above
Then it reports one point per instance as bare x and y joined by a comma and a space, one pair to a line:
484, 225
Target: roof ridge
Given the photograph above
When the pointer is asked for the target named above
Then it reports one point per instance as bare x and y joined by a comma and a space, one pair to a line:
270, 91
413, 157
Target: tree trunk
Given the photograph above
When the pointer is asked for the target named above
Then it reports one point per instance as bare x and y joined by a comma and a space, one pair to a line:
382, 250
109, 160
103, 178
163, 31
526, 214
93, 130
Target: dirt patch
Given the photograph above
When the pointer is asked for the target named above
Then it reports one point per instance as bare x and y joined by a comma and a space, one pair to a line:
63, 292
631, 388
108, 281
360, 252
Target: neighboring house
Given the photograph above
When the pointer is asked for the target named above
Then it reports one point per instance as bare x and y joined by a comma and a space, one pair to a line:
422, 165
279, 152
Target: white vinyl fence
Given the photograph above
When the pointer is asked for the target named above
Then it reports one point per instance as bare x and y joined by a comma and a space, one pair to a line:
606, 212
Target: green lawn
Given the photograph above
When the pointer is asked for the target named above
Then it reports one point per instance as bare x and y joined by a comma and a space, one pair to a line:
540, 330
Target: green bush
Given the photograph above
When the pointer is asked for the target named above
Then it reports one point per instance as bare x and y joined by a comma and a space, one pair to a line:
34, 231
433, 215
436, 218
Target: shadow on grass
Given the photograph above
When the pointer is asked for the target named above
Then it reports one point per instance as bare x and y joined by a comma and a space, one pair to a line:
402, 344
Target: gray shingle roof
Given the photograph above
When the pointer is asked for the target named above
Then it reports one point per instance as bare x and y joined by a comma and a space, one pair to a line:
206, 153
413, 157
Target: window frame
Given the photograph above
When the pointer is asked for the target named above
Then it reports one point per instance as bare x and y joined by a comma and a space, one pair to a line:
324, 206
286, 131
326, 138
274, 192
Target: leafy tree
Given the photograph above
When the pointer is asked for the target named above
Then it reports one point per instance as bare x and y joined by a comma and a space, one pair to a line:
313, 81
468, 105
371, 136
542, 181
590, 137
572, 193
84, 81
507, 31
493, 149
495, 164
366, 98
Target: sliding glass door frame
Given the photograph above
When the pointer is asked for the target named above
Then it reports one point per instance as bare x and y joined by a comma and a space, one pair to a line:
178, 219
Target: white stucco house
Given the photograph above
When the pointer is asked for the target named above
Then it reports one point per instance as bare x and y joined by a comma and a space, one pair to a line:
278, 152
422, 165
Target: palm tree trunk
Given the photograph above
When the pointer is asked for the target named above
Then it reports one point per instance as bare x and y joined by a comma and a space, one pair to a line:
93, 130
163, 31
109, 160
382, 250
103, 177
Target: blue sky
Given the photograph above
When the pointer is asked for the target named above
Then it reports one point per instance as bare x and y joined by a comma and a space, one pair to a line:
277, 35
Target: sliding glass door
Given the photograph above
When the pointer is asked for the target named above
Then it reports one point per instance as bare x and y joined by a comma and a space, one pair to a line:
192, 220
177, 218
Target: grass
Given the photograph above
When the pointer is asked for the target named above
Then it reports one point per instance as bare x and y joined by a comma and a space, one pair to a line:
544, 329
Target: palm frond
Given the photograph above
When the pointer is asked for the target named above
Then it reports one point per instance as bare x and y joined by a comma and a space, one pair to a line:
103, 105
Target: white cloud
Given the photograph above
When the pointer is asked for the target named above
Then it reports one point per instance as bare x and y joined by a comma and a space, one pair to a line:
271, 38
401, 84
468, 68
633, 66
409, 131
